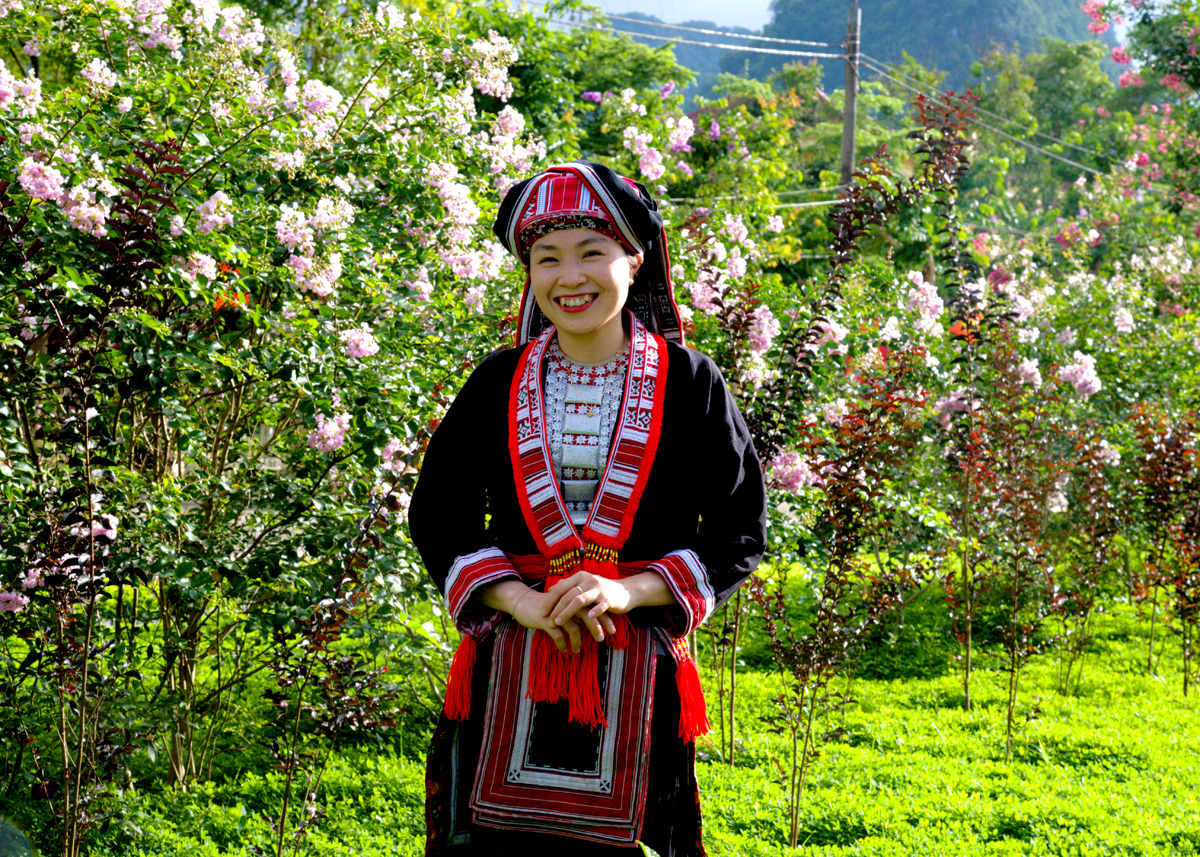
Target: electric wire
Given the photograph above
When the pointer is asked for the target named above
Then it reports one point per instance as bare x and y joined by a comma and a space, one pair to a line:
1031, 146
601, 28
723, 33
709, 32
878, 66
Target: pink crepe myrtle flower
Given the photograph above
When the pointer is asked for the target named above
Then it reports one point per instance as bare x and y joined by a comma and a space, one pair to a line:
125, 104
318, 98
594, 97
1123, 320
923, 299
216, 213
791, 472
360, 341
330, 433
1029, 373
176, 226
1066, 336
689, 172
99, 74
714, 130
41, 181
667, 89
198, 265
831, 331
735, 229
31, 48
680, 134
1129, 77
1082, 375
390, 456
835, 412
764, 327
83, 212
958, 402
775, 223
1107, 455
705, 296
317, 276
1173, 81
33, 578
651, 165
1121, 55
12, 602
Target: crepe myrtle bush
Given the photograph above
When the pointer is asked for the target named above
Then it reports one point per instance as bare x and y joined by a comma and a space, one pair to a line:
1168, 463
847, 464
230, 291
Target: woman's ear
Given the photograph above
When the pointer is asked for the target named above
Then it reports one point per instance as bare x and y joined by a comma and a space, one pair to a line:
635, 264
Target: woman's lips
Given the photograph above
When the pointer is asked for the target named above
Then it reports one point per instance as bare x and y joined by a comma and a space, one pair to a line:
588, 300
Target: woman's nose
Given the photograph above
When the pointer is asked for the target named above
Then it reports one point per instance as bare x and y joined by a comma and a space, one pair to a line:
571, 273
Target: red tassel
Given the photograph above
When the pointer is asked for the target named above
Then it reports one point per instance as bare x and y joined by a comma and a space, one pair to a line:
585, 705
548, 670
619, 638
458, 686
693, 715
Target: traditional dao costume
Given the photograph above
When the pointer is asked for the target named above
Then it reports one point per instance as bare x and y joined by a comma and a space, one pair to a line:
541, 467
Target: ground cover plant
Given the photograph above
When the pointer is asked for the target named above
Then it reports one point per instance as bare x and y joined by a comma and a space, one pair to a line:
243, 272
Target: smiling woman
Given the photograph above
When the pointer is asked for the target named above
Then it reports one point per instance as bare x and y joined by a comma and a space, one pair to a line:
591, 497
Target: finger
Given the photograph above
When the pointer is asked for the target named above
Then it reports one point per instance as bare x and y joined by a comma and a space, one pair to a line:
579, 578
601, 606
573, 604
606, 621
559, 638
594, 628
572, 629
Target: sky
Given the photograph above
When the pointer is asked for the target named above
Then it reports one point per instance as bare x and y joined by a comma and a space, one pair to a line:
752, 14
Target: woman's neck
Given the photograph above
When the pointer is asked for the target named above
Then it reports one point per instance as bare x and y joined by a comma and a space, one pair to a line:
596, 346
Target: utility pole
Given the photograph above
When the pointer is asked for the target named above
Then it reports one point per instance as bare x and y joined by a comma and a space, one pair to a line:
850, 107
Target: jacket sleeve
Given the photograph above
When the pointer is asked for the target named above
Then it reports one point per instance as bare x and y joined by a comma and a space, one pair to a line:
447, 516
731, 536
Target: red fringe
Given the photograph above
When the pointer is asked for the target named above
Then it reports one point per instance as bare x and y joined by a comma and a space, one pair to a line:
693, 715
548, 670
585, 705
458, 685
619, 638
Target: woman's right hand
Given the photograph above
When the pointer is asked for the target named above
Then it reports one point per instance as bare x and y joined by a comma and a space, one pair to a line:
531, 609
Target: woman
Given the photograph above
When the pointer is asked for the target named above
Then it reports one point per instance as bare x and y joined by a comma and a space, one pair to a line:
591, 497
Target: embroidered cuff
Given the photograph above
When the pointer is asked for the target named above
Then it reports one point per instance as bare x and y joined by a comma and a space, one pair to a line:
468, 573
688, 582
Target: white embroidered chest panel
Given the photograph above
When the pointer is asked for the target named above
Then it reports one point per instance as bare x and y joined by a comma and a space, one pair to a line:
582, 405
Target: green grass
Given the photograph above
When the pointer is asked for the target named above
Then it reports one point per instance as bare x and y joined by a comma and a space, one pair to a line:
1114, 771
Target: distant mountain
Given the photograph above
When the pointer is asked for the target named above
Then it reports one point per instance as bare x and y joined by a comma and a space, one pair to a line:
706, 62
948, 35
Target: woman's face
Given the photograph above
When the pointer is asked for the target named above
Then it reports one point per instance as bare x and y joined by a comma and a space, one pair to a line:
580, 279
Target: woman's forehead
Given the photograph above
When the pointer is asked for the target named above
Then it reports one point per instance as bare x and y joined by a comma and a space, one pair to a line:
562, 239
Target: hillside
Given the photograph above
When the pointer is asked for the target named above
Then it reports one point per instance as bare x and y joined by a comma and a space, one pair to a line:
704, 61
948, 35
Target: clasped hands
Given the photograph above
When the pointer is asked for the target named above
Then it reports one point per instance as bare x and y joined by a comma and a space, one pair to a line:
583, 601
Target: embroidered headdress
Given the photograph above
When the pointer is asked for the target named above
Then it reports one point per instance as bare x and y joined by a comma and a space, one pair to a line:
588, 195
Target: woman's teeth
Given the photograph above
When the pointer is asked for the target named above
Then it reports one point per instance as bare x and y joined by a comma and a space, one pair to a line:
575, 301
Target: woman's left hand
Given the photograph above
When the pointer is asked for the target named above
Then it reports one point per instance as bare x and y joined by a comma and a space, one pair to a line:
589, 598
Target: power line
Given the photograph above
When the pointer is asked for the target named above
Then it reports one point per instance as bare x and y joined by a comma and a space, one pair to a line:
883, 69
817, 204
710, 32
800, 192
1031, 146
722, 32
745, 48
